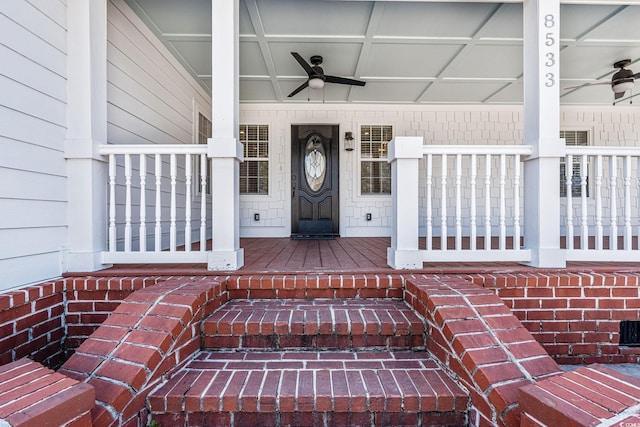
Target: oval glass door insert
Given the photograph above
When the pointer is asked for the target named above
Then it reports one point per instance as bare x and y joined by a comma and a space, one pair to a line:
315, 162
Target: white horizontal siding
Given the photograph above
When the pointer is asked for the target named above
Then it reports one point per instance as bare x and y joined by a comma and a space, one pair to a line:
21, 155
24, 213
48, 239
33, 184
29, 269
27, 31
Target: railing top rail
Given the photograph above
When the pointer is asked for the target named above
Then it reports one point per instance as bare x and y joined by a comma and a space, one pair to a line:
603, 151
153, 149
512, 150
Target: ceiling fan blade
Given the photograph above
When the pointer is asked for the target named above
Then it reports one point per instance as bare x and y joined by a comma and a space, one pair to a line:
343, 81
618, 95
298, 89
587, 84
636, 76
303, 63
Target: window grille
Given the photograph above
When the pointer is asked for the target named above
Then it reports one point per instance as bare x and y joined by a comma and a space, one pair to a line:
375, 172
254, 171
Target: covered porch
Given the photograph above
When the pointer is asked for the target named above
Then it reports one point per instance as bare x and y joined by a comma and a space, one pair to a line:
446, 201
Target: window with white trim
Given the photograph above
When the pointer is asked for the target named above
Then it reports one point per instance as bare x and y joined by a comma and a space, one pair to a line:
375, 172
573, 138
254, 171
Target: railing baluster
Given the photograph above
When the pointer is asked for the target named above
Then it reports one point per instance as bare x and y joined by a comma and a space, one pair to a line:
173, 174
599, 227
487, 202
187, 214
627, 203
568, 172
127, 203
158, 228
143, 204
443, 204
584, 233
203, 202
458, 241
516, 203
165, 163
473, 225
112, 203
429, 242
503, 209
613, 184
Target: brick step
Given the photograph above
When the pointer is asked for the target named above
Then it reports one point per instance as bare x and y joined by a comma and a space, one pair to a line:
310, 388
314, 325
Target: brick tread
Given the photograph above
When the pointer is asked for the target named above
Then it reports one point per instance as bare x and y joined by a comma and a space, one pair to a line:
316, 382
314, 324
31, 394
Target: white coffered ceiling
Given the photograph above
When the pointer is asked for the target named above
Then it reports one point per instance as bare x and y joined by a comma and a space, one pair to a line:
407, 52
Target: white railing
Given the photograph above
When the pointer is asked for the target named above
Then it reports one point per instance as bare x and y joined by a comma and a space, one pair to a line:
601, 203
472, 205
156, 210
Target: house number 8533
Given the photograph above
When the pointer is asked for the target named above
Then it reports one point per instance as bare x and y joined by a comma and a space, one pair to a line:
549, 55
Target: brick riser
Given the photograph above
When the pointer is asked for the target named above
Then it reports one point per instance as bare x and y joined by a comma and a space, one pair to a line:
314, 325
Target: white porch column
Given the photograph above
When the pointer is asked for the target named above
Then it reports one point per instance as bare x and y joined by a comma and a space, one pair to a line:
225, 149
542, 130
86, 130
405, 153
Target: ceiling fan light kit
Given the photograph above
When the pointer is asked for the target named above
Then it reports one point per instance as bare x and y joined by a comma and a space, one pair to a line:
316, 78
316, 83
622, 86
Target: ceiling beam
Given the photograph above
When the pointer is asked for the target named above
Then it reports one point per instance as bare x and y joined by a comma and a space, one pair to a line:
258, 27
365, 50
459, 56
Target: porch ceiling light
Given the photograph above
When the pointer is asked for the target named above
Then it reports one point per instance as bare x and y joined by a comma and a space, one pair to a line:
623, 86
316, 83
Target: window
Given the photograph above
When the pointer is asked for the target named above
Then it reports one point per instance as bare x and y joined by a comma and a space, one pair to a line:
204, 129
254, 171
204, 133
375, 172
573, 138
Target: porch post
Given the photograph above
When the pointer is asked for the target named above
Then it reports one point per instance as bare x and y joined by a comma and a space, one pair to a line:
224, 148
542, 132
404, 155
86, 130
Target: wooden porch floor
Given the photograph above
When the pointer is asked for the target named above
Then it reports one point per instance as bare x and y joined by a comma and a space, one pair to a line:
340, 255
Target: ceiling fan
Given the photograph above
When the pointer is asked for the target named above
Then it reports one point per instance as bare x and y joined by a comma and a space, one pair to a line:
621, 81
317, 78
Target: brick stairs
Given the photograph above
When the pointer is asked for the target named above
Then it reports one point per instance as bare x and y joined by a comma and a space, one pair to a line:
326, 362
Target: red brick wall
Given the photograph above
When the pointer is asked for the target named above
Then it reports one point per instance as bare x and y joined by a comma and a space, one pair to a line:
48, 321
575, 316
32, 324
89, 301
